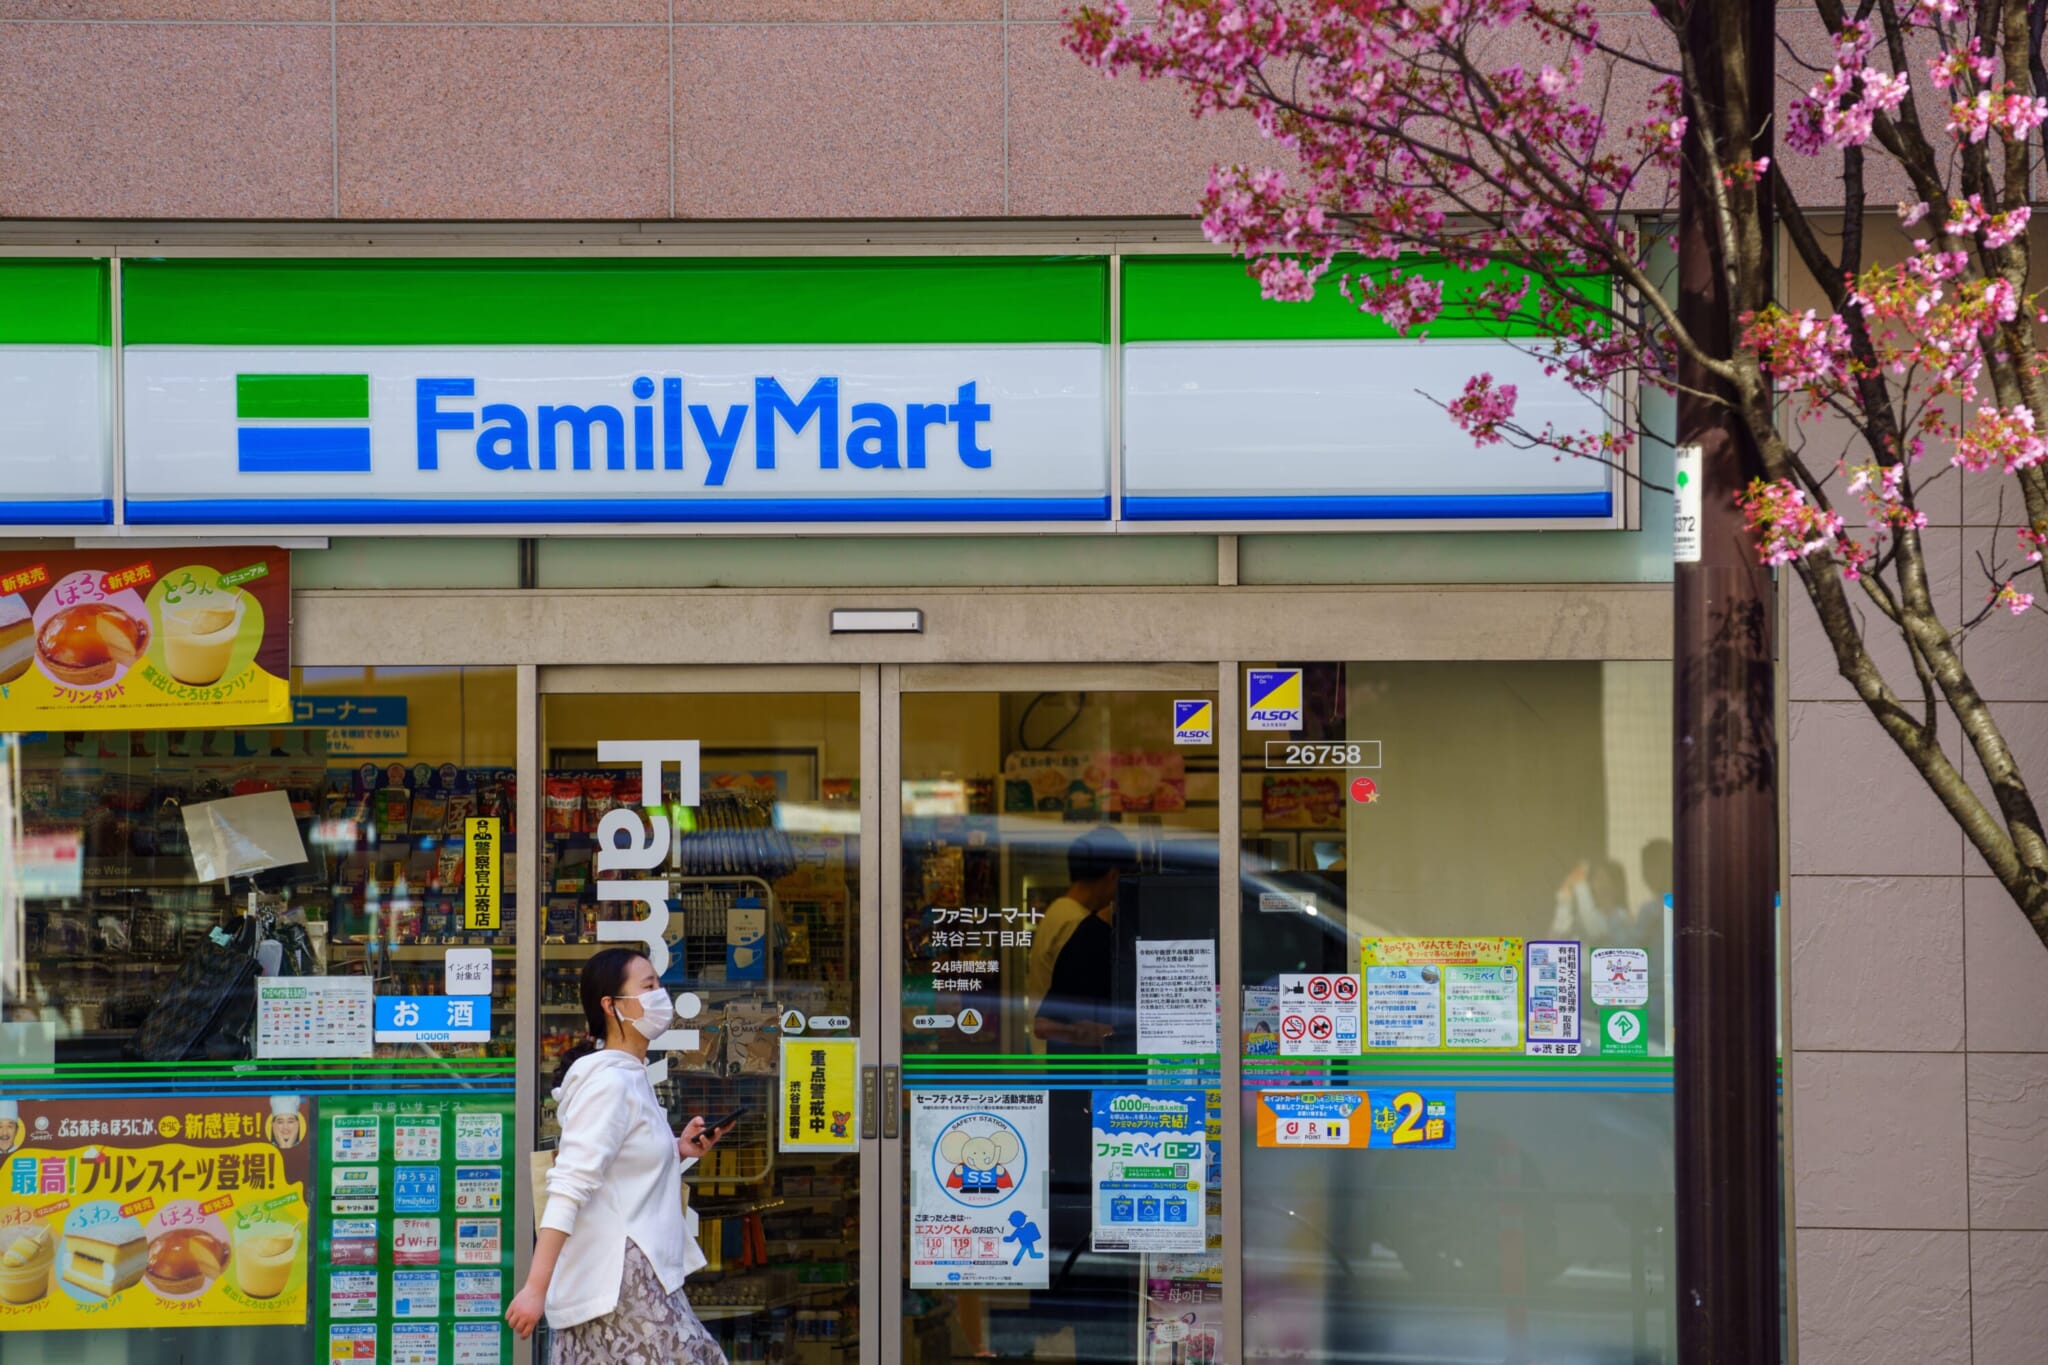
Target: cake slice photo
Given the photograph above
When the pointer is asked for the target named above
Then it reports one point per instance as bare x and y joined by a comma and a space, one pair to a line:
103, 1253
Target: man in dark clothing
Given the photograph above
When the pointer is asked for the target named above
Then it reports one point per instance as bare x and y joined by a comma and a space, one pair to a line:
1098, 1296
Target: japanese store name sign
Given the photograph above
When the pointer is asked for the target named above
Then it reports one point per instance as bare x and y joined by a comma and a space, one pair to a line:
144, 639
148, 1213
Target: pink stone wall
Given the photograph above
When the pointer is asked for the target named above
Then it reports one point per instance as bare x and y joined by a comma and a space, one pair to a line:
579, 110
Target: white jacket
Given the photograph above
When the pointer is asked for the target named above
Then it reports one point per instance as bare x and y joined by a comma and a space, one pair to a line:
616, 1176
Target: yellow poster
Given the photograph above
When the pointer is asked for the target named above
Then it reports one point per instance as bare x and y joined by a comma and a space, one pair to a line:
144, 639
820, 1095
480, 899
1448, 994
147, 1213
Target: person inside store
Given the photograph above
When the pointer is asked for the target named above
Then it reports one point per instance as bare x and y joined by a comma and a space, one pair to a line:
1081, 1016
1094, 863
615, 1244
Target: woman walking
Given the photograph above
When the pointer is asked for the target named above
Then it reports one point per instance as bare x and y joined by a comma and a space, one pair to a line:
614, 1246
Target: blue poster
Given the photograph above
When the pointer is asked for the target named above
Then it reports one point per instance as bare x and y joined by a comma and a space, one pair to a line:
1151, 1159
416, 1189
433, 1018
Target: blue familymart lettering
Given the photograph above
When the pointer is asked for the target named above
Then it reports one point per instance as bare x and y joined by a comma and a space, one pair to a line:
653, 434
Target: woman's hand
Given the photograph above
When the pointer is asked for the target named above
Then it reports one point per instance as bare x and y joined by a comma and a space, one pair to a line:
697, 1140
524, 1314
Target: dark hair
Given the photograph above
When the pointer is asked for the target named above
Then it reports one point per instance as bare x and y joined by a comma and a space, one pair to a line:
1098, 853
604, 972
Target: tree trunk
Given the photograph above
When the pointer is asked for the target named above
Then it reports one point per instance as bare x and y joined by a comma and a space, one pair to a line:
1725, 800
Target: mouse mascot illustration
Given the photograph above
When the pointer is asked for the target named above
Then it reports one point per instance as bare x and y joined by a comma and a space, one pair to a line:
981, 1162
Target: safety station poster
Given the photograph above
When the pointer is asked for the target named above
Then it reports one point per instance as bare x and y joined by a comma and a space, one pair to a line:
143, 639
151, 1213
978, 1213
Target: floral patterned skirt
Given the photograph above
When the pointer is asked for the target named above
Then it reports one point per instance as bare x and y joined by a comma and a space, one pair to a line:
649, 1327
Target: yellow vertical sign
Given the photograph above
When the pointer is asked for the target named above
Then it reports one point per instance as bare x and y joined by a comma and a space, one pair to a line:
820, 1084
480, 898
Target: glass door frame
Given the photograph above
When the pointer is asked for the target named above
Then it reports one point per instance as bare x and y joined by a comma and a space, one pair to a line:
897, 680
538, 682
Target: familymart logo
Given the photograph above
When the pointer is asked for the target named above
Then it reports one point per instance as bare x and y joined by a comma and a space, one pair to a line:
302, 423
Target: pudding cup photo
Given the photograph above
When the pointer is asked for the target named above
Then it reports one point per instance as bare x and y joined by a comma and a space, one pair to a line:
27, 1254
263, 1256
199, 635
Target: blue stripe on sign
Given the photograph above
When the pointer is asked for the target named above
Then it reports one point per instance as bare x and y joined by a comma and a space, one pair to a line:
1392, 507
418, 511
303, 450
64, 512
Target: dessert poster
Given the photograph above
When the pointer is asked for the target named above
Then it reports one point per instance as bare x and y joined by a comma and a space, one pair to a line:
145, 639
142, 1213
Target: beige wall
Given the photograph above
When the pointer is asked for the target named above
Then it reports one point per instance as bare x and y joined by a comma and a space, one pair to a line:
1919, 1014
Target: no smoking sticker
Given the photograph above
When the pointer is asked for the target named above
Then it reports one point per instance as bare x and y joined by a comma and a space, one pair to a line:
1320, 1015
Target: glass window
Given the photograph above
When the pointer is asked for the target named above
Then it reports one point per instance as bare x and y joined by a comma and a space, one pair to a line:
222, 947
760, 887
1060, 1067
1457, 1108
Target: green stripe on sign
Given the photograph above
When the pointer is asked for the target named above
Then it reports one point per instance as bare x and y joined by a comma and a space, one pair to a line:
49, 301
826, 301
1210, 298
302, 395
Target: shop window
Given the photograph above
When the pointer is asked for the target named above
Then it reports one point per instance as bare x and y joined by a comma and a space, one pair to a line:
259, 998
360, 875
1457, 1088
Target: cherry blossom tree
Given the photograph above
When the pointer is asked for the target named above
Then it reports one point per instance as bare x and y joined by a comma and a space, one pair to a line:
1521, 142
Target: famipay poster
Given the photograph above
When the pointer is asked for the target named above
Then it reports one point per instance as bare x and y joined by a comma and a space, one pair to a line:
1447, 994
121, 639
145, 1213
1151, 1161
414, 1257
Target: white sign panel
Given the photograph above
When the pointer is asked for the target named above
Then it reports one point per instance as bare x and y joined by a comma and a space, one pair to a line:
1320, 1016
750, 433
1176, 996
314, 1016
1340, 430
56, 444
1619, 977
1552, 983
467, 971
978, 1212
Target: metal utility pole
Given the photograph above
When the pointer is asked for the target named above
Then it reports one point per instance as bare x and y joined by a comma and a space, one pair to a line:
1725, 778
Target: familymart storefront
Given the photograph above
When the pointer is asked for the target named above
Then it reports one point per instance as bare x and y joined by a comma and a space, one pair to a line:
851, 629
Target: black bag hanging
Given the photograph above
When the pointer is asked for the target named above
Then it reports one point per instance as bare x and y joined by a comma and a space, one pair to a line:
208, 1011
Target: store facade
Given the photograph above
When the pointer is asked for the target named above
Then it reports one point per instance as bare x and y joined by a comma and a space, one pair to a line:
833, 623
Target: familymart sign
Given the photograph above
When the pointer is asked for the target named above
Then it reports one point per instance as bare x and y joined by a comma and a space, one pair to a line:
353, 393
604, 433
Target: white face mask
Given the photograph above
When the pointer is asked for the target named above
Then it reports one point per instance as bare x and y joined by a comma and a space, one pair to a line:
657, 1012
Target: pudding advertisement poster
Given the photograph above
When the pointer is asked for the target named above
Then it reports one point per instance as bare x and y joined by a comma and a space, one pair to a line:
145, 638
181, 1212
